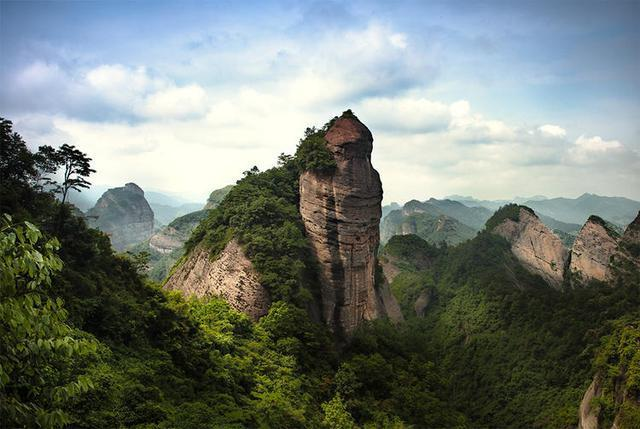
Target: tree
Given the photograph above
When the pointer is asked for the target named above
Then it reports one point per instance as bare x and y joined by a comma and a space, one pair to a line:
36, 368
16, 161
336, 415
77, 166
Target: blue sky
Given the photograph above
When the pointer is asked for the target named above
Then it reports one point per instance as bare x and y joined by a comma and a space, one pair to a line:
493, 99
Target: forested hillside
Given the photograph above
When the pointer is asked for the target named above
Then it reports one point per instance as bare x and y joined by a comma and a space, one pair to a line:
90, 341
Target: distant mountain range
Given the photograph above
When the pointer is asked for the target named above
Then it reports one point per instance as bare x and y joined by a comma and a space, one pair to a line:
618, 210
434, 220
458, 218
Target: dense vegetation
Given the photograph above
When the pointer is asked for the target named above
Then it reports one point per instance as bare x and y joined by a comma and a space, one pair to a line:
91, 342
503, 335
509, 211
154, 360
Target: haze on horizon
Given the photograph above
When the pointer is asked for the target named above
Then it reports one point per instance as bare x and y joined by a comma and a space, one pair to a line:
490, 99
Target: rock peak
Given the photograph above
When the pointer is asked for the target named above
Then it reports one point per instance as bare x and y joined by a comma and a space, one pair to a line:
592, 251
537, 248
341, 214
132, 187
346, 130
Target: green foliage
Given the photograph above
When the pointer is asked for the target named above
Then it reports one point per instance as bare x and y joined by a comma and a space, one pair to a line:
76, 167
312, 153
261, 211
37, 374
336, 415
509, 211
411, 249
501, 334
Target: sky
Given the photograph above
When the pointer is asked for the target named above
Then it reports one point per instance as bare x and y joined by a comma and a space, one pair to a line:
490, 99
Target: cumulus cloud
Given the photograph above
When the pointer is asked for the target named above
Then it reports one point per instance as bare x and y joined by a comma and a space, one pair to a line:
590, 150
230, 103
176, 102
552, 130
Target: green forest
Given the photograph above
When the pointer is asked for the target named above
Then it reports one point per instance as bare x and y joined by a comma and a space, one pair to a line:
89, 340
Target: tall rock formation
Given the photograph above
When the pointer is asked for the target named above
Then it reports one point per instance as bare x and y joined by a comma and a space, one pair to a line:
341, 214
592, 250
230, 275
626, 260
537, 248
124, 214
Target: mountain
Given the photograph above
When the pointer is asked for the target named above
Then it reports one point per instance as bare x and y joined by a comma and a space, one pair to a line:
165, 214
593, 250
340, 210
315, 218
165, 247
475, 217
618, 210
216, 197
435, 221
389, 208
535, 246
265, 321
124, 214
434, 228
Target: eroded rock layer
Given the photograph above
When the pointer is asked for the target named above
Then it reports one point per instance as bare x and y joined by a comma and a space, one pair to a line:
341, 213
536, 247
592, 250
230, 276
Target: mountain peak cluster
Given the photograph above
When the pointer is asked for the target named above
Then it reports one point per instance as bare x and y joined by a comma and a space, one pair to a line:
312, 234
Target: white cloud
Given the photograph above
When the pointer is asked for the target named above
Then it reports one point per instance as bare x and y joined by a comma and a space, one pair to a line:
176, 102
410, 114
552, 130
196, 124
590, 150
398, 40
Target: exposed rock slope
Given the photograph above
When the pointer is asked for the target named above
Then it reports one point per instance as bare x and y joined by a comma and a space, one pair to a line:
592, 250
341, 214
124, 214
534, 245
230, 276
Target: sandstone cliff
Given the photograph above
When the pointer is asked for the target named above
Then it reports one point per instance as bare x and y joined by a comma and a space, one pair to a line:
592, 250
124, 214
537, 248
341, 214
627, 258
230, 276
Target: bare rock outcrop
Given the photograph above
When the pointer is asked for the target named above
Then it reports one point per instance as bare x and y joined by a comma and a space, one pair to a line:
230, 276
341, 213
592, 250
124, 215
536, 247
627, 257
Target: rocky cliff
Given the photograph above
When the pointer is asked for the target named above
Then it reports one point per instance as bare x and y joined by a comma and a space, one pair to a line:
592, 250
124, 214
230, 275
536, 247
629, 248
341, 212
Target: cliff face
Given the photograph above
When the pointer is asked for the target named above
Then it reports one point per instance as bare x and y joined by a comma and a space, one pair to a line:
124, 214
592, 250
341, 214
230, 276
536, 247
